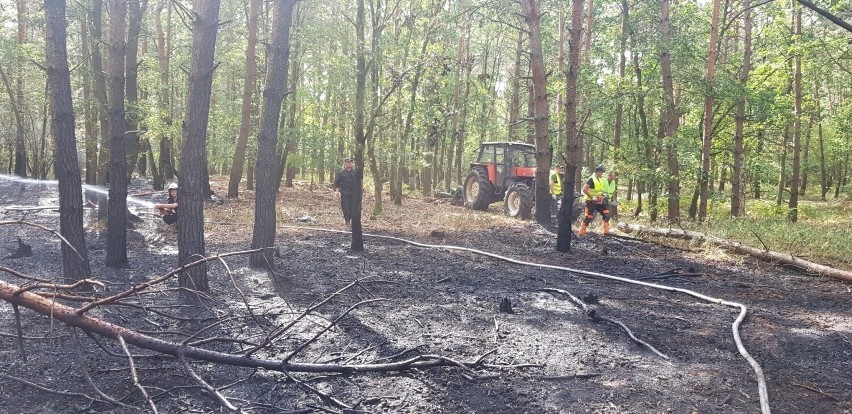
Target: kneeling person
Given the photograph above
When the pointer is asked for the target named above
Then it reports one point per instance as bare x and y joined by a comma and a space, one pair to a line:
169, 210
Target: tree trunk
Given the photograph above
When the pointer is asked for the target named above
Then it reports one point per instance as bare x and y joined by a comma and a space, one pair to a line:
136, 8
515, 100
823, 176
561, 137
20, 98
669, 116
293, 136
155, 173
805, 157
19, 128
75, 258
90, 120
263, 236
544, 152
466, 64
737, 182
793, 205
756, 193
707, 138
194, 136
100, 90
166, 160
573, 154
452, 133
409, 118
574, 149
782, 176
117, 200
622, 65
357, 244
764, 254
248, 90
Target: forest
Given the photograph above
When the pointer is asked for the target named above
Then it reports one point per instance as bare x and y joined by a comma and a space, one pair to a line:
727, 121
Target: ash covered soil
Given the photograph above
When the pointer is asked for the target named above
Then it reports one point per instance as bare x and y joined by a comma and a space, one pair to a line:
546, 357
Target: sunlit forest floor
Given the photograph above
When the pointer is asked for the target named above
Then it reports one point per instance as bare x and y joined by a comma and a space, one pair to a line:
822, 234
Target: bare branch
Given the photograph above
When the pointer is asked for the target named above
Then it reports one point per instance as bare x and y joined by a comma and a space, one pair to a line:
135, 376
143, 286
20, 332
84, 371
324, 330
209, 388
594, 316
49, 390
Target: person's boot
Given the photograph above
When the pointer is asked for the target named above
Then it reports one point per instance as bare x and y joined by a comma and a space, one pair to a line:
606, 228
583, 229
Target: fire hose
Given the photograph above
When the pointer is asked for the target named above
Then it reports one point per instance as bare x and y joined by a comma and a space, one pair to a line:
735, 326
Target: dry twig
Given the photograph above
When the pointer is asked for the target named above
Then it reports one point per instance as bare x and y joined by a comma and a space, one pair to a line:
84, 371
136, 376
212, 391
594, 316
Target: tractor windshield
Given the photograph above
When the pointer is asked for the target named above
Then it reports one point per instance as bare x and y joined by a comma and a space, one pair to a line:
523, 157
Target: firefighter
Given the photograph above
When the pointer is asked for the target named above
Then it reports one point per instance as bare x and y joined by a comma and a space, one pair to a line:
169, 210
345, 183
596, 200
556, 186
610, 185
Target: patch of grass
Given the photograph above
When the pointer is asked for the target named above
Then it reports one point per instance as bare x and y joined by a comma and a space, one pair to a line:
823, 233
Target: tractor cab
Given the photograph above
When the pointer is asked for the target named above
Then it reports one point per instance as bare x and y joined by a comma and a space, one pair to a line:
502, 171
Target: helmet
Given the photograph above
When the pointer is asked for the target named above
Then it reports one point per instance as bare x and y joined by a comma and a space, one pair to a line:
600, 168
173, 186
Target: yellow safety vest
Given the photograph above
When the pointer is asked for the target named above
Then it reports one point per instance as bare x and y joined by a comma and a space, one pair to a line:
595, 190
609, 187
557, 186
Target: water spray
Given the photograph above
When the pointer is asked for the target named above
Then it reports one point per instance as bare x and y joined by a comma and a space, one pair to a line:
88, 187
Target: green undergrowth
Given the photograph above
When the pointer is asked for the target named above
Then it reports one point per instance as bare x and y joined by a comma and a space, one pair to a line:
822, 234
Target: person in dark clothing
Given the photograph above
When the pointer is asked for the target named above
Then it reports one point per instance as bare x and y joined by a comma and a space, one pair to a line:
169, 210
345, 183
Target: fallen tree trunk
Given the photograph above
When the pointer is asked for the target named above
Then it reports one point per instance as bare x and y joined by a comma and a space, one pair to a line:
71, 316
777, 257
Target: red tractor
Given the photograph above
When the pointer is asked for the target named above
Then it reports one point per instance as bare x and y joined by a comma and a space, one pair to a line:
502, 171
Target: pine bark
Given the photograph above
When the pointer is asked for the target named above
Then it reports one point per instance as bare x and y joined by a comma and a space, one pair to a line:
136, 9
707, 136
75, 262
194, 136
100, 90
164, 36
248, 91
670, 116
263, 236
793, 204
737, 181
20, 98
540, 114
90, 119
117, 199
574, 148
573, 154
357, 244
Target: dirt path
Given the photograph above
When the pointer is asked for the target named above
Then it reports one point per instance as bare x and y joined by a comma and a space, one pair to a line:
444, 302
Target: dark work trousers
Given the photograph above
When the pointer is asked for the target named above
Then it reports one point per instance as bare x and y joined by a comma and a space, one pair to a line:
170, 218
593, 207
346, 206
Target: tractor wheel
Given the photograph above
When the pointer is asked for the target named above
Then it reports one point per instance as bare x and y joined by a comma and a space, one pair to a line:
519, 201
477, 190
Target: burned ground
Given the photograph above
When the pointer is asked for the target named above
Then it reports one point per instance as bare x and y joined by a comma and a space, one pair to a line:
548, 356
